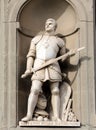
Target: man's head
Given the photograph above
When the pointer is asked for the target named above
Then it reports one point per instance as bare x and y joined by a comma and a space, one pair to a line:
50, 25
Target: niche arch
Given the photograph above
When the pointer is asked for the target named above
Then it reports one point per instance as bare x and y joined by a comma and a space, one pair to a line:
16, 6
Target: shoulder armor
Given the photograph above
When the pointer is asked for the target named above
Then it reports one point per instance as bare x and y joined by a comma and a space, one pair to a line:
36, 39
60, 42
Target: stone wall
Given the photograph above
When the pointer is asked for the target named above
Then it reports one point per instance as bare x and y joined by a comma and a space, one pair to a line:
16, 13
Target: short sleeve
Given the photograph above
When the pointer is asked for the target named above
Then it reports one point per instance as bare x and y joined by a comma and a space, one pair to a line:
61, 43
32, 49
62, 46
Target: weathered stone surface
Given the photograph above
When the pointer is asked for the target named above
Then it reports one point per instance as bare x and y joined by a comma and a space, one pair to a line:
84, 85
49, 123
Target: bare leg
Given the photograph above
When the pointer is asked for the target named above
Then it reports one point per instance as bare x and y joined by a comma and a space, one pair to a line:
32, 100
55, 100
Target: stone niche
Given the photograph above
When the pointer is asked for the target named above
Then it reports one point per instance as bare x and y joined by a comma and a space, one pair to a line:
32, 18
27, 19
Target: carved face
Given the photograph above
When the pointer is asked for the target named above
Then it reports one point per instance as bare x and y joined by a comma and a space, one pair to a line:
50, 25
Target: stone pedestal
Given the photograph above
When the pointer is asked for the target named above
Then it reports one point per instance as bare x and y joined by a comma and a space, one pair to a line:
49, 124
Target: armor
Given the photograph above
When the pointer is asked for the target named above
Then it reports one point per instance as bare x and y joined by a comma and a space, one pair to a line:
44, 48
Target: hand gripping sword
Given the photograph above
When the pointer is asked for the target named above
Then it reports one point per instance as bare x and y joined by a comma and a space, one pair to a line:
51, 61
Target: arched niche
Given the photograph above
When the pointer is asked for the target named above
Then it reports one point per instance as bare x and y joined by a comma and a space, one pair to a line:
32, 21
15, 6
21, 12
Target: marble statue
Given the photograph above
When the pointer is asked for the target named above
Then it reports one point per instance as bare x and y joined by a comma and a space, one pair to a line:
40, 63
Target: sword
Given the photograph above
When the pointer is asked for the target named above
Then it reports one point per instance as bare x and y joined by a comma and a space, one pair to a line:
51, 61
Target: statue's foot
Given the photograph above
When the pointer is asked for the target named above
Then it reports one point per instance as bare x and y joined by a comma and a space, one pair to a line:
56, 119
26, 118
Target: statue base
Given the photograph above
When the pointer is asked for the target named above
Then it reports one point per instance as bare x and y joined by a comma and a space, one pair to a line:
49, 123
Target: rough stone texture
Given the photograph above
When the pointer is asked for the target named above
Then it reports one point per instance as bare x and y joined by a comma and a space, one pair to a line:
84, 102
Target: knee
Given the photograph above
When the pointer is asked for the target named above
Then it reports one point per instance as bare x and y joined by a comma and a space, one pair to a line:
36, 87
34, 91
55, 91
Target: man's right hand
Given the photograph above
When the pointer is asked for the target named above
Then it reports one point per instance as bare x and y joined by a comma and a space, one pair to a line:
27, 73
72, 52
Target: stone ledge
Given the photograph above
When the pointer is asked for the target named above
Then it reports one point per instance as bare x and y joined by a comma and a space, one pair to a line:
49, 123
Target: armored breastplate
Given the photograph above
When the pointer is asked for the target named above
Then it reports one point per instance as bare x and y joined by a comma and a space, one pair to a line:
47, 48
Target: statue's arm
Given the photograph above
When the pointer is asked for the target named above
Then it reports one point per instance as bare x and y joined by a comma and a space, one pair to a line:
30, 56
62, 47
30, 59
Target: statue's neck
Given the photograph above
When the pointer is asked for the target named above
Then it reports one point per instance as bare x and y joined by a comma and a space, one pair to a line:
52, 33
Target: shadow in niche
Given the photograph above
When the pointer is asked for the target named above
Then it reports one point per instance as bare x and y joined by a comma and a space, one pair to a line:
34, 14
32, 17
67, 67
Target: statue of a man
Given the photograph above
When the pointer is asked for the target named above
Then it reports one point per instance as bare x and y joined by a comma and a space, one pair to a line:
43, 48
